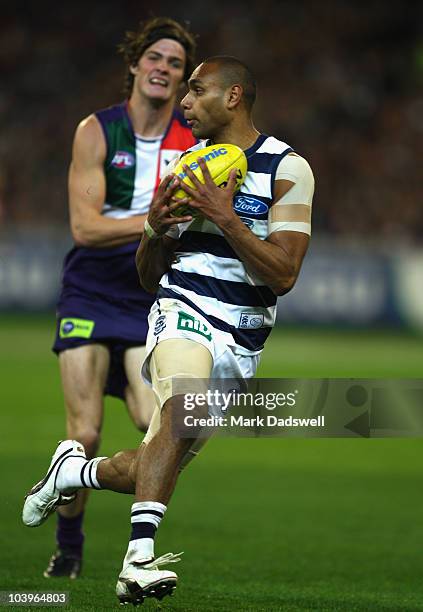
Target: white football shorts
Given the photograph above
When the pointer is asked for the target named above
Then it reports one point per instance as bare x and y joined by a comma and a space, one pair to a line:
182, 344
172, 319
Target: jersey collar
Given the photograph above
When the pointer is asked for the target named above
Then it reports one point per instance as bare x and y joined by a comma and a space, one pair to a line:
251, 150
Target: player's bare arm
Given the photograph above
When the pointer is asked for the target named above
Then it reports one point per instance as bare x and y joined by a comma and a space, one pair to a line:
155, 252
276, 260
87, 192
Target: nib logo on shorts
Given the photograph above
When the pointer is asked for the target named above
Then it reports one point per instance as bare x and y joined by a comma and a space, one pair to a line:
76, 328
190, 323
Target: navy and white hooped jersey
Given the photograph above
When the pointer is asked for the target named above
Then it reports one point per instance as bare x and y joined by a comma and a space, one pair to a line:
209, 275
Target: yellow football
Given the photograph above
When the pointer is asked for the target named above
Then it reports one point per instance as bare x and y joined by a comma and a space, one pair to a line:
220, 160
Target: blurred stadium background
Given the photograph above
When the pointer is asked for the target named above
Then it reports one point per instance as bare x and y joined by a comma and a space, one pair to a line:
342, 82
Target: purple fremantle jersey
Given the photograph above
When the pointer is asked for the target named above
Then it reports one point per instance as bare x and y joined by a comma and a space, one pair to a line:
111, 272
101, 298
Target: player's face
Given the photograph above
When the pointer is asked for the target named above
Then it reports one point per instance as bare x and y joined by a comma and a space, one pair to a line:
204, 105
160, 70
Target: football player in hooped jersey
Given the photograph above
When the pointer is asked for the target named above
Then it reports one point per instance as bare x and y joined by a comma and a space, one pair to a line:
217, 276
118, 156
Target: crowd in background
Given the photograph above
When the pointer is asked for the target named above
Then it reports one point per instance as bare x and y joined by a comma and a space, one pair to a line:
339, 81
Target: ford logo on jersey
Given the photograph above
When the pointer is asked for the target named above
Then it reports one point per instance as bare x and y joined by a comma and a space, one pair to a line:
123, 160
249, 206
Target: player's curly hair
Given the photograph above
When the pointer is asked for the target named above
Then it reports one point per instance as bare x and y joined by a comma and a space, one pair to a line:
149, 32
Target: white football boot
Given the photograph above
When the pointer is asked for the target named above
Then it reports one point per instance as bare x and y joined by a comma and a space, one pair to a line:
44, 497
141, 579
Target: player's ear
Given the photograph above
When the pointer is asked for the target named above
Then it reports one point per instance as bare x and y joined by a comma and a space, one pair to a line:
234, 96
133, 69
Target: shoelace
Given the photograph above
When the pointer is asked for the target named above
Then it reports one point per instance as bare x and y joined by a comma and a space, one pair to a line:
163, 560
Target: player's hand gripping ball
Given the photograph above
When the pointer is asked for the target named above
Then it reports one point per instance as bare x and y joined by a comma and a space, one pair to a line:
220, 160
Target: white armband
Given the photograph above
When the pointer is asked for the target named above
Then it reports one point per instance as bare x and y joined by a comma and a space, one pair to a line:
292, 212
151, 233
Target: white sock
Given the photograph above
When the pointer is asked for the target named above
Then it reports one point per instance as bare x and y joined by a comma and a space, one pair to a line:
78, 473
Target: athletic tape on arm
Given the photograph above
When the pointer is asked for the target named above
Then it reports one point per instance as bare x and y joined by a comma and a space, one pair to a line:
293, 211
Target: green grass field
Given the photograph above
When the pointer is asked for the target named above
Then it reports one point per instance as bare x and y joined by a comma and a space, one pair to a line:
266, 524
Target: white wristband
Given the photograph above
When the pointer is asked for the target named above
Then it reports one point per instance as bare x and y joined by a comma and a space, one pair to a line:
150, 231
